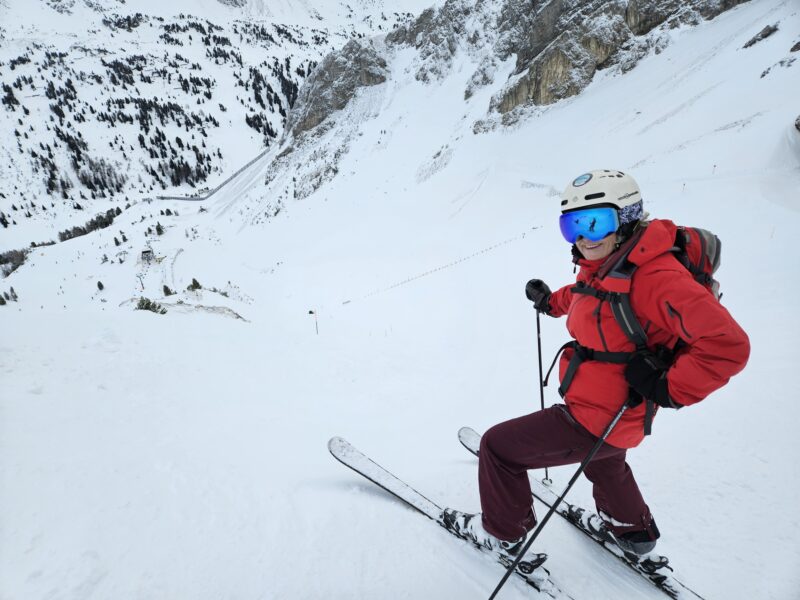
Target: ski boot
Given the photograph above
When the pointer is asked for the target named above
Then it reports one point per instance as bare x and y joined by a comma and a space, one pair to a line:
638, 543
470, 527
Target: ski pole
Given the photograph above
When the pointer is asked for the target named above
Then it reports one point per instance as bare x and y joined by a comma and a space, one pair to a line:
550, 512
546, 479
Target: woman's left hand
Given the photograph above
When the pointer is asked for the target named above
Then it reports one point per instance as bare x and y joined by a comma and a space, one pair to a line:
647, 374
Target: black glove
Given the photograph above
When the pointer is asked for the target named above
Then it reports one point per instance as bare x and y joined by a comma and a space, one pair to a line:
537, 292
646, 373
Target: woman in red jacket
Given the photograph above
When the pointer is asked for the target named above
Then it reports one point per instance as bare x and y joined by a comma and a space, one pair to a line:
603, 216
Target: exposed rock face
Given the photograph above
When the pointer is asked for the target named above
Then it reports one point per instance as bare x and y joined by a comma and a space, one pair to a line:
642, 16
62, 6
562, 49
567, 41
436, 34
797, 123
334, 82
558, 44
761, 35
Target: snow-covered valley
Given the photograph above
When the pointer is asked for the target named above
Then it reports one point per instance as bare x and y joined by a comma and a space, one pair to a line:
367, 281
114, 107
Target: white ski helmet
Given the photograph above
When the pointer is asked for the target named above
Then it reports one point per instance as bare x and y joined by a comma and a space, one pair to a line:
606, 186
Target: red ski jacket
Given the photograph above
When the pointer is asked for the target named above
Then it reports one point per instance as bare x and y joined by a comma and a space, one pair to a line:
670, 306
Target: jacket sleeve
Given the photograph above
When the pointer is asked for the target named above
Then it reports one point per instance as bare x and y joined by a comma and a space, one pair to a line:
560, 301
717, 347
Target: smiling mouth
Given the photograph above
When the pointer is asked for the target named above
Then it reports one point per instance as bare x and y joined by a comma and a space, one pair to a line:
591, 246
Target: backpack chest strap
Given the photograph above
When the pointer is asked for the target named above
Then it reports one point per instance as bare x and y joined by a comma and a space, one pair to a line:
622, 310
579, 356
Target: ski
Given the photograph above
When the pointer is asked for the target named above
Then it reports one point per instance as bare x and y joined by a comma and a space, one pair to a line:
653, 567
529, 571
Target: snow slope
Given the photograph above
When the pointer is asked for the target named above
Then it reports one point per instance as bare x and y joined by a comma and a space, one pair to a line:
184, 455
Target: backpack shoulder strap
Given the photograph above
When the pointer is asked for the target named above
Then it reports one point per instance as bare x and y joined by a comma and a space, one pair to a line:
626, 319
616, 274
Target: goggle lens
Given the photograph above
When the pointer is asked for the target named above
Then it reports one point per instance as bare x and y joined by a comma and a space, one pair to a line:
591, 223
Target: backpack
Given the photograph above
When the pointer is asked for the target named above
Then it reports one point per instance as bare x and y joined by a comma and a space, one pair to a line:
698, 250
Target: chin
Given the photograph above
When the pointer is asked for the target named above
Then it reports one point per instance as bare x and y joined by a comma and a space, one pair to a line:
594, 254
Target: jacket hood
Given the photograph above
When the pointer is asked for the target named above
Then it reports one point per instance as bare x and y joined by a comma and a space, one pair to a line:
657, 238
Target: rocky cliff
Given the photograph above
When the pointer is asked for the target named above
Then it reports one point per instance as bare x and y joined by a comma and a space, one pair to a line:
557, 46
332, 85
560, 46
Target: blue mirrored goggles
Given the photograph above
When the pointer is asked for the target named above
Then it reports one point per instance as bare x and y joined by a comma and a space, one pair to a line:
591, 223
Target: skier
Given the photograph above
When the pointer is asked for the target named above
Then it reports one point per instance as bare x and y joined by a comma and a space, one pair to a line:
603, 217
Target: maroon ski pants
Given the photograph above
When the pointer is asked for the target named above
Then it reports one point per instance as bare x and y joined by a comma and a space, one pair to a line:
550, 438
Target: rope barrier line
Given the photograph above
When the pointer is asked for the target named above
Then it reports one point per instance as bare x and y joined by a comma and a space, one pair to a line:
443, 267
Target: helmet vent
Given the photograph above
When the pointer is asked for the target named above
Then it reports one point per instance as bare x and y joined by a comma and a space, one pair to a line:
595, 196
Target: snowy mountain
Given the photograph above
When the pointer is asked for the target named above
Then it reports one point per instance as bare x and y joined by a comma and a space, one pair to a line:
364, 278
110, 102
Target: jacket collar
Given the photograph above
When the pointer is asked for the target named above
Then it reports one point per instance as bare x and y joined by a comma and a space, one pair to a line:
650, 240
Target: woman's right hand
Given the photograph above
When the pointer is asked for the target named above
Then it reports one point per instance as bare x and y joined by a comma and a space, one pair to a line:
537, 292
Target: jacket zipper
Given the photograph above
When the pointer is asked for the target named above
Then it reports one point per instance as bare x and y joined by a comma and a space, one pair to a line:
599, 325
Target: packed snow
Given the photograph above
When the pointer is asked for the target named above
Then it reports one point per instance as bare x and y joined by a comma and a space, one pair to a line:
183, 455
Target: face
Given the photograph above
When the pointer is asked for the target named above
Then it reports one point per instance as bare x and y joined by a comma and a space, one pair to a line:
595, 250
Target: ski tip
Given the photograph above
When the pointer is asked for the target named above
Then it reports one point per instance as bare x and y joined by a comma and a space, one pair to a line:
336, 443
470, 439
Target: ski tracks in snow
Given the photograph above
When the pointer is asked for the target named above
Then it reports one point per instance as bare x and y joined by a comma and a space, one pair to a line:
678, 109
697, 65
468, 195
172, 267
739, 124
703, 58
